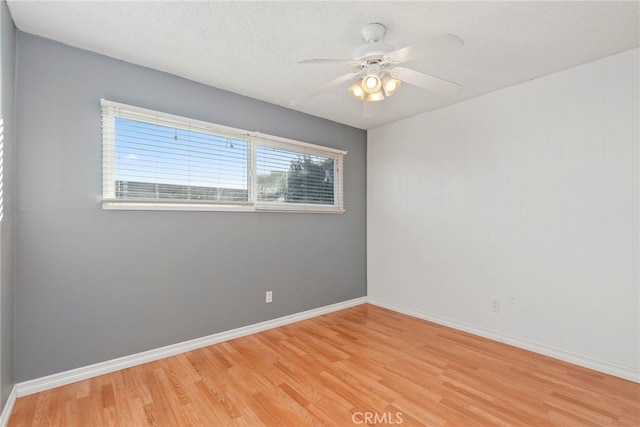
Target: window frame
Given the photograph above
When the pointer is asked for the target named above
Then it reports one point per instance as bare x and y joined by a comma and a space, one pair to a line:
111, 110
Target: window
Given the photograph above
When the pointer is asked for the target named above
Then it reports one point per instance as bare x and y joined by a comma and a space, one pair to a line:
153, 160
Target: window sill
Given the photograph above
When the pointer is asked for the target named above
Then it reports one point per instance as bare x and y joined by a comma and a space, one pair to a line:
204, 207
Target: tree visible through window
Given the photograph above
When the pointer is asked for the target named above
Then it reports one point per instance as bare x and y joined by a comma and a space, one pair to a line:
288, 177
310, 181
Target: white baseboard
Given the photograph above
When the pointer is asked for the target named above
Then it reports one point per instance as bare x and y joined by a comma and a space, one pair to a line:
8, 408
556, 353
79, 374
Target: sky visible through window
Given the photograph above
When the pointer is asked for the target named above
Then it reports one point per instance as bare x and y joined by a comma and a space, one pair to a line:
158, 154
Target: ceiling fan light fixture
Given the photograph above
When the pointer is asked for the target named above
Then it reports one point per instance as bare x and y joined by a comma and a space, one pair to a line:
376, 70
371, 84
377, 96
390, 85
357, 91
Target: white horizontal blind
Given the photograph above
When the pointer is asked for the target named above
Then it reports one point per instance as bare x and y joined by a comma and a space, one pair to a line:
154, 160
293, 178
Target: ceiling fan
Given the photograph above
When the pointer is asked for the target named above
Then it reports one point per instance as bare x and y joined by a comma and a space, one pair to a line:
377, 67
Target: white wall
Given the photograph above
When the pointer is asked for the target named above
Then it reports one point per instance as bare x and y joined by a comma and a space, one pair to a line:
528, 195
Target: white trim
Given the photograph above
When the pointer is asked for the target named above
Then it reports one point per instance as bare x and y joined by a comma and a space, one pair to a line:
273, 141
252, 173
339, 182
108, 152
178, 121
155, 206
297, 207
235, 132
556, 353
67, 377
200, 207
8, 408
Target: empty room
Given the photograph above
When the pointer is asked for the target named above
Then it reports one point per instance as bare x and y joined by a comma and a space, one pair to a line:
305, 213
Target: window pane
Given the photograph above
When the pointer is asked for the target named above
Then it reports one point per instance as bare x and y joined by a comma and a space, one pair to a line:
159, 162
291, 177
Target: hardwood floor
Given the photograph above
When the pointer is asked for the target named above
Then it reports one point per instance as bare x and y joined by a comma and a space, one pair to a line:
361, 366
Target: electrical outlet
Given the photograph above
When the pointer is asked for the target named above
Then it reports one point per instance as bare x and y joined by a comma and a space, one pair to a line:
269, 297
494, 304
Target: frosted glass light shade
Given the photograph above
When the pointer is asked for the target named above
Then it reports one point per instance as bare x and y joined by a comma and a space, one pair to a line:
378, 96
371, 83
357, 91
390, 85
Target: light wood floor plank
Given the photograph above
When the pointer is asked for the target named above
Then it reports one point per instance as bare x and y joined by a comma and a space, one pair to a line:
334, 369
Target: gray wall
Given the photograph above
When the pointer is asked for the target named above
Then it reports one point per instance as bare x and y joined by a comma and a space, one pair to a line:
7, 227
93, 285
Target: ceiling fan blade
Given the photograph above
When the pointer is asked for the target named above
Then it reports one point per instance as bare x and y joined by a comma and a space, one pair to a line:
331, 61
435, 43
425, 81
370, 109
324, 87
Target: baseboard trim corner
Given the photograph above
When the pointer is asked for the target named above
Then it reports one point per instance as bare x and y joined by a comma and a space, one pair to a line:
556, 353
67, 377
8, 407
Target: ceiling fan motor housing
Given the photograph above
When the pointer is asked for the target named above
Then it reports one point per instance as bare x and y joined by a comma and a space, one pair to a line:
373, 49
373, 32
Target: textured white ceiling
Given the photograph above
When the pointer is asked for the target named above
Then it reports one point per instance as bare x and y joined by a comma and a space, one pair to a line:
253, 48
